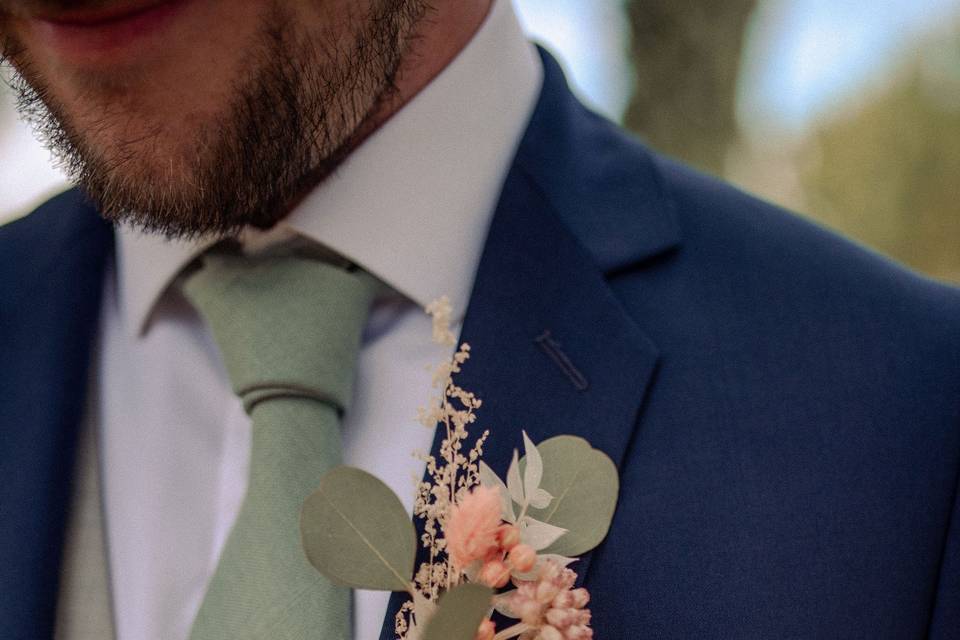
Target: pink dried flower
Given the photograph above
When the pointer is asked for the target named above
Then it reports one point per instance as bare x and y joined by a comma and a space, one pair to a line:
551, 607
509, 536
550, 633
494, 573
472, 528
522, 558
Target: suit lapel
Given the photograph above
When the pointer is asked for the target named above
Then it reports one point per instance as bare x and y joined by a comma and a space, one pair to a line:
552, 350
50, 304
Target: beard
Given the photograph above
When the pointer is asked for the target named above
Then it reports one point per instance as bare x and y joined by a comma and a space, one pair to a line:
301, 106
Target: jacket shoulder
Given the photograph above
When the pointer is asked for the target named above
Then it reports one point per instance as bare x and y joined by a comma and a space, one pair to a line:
772, 262
743, 234
60, 215
62, 231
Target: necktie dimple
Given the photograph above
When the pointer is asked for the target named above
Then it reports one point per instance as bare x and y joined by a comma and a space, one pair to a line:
288, 329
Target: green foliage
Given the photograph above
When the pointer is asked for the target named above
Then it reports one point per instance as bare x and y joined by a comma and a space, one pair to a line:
356, 532
584, 483
885, 171
460, 613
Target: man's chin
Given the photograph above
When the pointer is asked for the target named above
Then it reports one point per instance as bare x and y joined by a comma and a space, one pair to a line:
209, 150
184, 176
182, 204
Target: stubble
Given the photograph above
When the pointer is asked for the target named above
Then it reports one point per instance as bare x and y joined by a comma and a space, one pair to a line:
300, 106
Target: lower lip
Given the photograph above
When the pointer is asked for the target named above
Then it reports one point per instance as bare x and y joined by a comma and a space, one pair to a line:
93, 40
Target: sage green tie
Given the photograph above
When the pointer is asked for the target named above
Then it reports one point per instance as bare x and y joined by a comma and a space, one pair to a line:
288, 328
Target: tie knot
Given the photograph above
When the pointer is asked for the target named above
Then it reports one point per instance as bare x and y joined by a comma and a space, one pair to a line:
286, 325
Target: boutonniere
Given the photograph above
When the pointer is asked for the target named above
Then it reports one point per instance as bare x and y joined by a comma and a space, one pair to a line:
491, 545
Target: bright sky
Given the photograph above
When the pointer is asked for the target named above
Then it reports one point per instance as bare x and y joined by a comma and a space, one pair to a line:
804, 56
591, 38
808, 55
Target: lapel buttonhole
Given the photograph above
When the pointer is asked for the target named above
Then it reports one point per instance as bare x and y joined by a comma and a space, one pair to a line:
552, 348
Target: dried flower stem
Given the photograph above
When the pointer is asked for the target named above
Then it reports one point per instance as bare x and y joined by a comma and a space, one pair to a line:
451, 474
512, 632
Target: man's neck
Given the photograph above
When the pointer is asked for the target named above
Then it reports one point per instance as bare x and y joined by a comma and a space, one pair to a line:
442, 33
440, 36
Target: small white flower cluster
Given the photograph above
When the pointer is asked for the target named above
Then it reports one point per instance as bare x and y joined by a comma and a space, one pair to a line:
450, 478
550, 607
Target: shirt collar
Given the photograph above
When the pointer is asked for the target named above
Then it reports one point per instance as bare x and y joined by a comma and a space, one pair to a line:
412, 204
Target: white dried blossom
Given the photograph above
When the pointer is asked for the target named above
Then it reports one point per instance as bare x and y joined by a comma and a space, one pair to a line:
450, 477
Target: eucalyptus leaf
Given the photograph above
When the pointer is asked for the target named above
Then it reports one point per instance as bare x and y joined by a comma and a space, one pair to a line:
542, 559
533, 472
490, 479
584, 484
563, 561
502, 604
460, 613
356, 532
540, 499
539, 535
514, 483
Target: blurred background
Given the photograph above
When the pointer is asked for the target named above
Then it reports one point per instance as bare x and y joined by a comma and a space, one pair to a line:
845, 110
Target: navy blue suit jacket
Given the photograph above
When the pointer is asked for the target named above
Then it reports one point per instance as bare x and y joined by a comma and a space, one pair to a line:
783, 406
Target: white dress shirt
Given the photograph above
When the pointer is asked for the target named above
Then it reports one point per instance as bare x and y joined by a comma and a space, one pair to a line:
412, 205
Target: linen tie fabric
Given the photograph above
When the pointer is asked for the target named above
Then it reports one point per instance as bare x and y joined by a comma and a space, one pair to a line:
288, 328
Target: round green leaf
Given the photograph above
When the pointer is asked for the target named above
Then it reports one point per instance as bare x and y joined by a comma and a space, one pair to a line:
460, 613
584, 484
356, 532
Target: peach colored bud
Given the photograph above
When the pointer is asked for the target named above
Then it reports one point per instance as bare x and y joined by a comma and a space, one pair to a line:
494, 574
579, 633
527, 590
486, 631
550, 633
561, 618
522, 558
509, 536
529, 612
546, 592
564, 600
580, 598
551, 572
